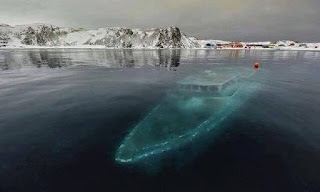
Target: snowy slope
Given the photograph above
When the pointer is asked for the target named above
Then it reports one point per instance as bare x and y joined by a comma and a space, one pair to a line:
46, 35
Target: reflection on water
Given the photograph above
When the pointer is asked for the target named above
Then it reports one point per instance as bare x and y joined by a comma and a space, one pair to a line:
56, 58
109, 58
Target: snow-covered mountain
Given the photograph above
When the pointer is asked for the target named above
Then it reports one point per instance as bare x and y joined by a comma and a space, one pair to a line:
46, 35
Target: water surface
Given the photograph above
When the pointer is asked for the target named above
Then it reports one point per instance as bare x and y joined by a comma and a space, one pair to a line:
64, 113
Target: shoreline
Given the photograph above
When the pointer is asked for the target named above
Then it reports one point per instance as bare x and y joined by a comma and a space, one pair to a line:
217, 49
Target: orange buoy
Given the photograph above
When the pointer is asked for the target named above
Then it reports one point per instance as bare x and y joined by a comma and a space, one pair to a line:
256, 65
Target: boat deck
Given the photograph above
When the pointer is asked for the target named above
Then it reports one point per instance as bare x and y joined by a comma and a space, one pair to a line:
215, 80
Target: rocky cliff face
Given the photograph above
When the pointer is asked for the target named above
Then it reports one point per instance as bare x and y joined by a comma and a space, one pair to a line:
170, 37
46, 35
49, 35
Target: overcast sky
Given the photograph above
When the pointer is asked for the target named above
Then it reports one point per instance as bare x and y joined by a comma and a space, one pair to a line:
215, 19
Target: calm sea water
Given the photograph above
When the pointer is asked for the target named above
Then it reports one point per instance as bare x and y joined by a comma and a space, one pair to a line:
63, 113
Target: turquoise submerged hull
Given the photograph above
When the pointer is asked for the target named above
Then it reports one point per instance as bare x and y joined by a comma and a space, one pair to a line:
196, 107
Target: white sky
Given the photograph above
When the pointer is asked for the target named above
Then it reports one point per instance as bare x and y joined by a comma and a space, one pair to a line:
216, 19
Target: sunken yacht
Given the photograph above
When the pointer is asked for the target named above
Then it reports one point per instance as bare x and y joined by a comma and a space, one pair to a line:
197, 106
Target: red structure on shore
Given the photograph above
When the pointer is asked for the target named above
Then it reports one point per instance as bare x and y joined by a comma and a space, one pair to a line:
235, 44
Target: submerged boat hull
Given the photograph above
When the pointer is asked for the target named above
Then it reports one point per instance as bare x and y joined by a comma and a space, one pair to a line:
195, 108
